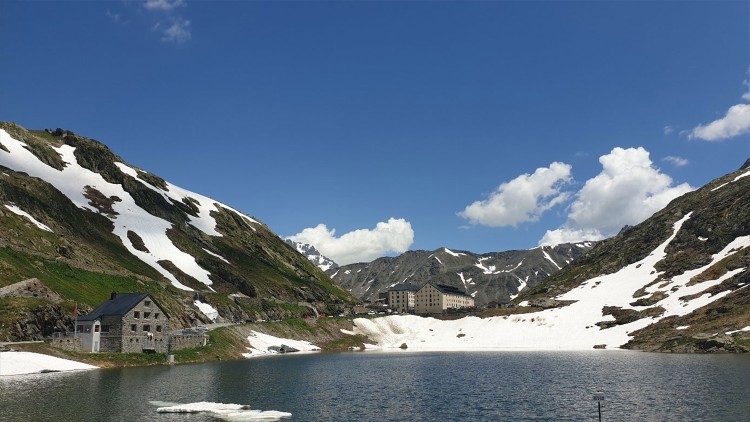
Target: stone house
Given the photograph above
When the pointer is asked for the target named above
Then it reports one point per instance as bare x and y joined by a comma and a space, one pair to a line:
401, 297
437, 298
126, 323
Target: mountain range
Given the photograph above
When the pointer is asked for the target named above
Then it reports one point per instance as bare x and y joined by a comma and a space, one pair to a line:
490, 278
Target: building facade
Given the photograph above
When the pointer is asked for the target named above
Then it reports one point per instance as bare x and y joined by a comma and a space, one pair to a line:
437, 298
126, 323
401, 297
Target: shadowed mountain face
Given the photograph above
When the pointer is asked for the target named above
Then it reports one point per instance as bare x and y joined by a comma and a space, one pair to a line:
491, 278
77, 217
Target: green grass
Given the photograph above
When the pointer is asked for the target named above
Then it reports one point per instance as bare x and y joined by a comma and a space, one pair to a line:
223, 344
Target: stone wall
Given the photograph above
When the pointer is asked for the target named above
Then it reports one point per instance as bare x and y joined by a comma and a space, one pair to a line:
67, 343
187, 341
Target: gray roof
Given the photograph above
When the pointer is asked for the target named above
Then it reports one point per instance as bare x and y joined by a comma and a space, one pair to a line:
404, 287
120, 305
449, 290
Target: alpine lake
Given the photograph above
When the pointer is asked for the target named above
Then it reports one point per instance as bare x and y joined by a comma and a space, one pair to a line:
404, 386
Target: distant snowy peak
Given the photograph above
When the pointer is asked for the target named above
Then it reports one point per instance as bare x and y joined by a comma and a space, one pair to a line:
317, 258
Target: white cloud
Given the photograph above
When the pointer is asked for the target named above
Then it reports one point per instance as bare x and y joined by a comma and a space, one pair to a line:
522, 199
568, 235
164, 5
628, 190
736, 122
676, 161
363, 245
668, 129
746, 95
178, 32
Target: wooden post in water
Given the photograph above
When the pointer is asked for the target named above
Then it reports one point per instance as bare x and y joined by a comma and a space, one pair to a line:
599, 396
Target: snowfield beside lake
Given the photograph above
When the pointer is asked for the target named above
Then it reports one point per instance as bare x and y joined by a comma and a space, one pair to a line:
22, 363
571, 327
259, 344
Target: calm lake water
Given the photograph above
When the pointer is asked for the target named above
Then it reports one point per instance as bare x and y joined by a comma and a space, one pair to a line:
404, 386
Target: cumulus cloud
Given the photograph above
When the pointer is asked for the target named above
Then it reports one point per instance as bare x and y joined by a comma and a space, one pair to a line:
164, 5
178, 32
363, 245
676, 161
736, 122
522, 199
568, 235
628, 190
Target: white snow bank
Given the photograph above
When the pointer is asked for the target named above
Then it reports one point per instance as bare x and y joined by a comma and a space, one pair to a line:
19, 363
745, 174
738, 331
15, 210
571, 327
260, 342
450, 252
215, 255
207, 310
682, 327
226, 411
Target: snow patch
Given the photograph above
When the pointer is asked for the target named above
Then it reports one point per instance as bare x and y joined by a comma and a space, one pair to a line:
215, 255
21, 363
450, 252
549, 258
207, 310
738, 331
260, 343
15, 210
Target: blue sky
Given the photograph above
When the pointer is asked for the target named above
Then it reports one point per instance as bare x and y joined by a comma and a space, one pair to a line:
351, 113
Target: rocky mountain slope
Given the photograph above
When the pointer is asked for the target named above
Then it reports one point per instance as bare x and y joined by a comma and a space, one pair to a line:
676, 282
84, 222
312, 254
491, 278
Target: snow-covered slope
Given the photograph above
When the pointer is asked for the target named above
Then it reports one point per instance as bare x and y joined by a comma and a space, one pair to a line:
74, 181
96, 213
680, 282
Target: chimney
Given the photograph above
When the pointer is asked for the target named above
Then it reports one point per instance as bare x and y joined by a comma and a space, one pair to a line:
112, 295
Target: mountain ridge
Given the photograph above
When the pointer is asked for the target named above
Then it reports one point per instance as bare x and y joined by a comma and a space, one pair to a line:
132, 230
492, 278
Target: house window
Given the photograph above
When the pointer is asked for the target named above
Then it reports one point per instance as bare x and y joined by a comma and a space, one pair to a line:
147, 328
156, 315
146, 314
136, 314
80, 328
158, 328
96, 328
105, 328
133, 328
147, 303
